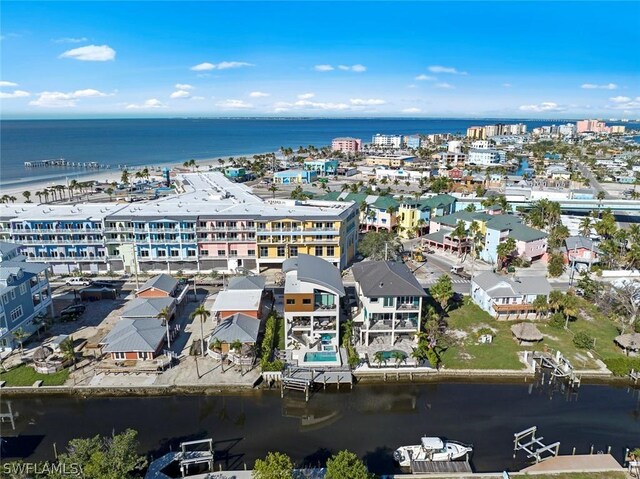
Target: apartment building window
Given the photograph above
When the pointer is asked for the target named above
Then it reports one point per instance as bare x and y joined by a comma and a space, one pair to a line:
318, 251
331, 251
101, 254
220, 224
291, 301
175, 253
5, 298
233, 252
264, 251
318, 225
388, 302
162, 253
13, 294
250, 224
232, 224
191, 252
144, 253
16, 313
119, 356
232, 236
281, 251
222, 252
293, 251
142, 355
23, 288
204, 252
251, 252
306, 300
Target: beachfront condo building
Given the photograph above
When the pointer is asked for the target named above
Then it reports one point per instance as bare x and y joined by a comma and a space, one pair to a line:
387, 141
346, 145
210, 223
312, 291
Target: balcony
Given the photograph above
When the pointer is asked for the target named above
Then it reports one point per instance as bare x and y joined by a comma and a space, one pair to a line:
325, 307
301, 323
409, 306
380, 325
509, 308
406, 324
328, 324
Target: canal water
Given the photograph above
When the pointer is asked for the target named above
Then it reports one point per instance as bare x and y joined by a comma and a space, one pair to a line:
371, 420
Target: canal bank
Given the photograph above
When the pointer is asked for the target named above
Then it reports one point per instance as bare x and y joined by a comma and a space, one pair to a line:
372, 420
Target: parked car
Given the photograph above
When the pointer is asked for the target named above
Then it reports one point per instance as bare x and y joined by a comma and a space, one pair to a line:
73, 312
78, 281
103, 284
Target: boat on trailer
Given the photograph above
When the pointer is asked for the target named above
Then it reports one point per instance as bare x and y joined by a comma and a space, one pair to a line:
431, 449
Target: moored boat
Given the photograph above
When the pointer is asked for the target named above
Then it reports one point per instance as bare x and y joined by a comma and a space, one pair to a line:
431, 449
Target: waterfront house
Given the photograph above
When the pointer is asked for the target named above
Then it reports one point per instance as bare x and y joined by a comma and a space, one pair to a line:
244, 294
25, 295
299, 177
148, 307
312, 291
133, 339
581, 252
237, 327
390, 302
506, 298
160, 286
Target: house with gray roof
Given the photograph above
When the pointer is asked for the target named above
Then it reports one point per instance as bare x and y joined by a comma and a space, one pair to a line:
158, 286
504, 297
237, 327
148, 308
244, 294
581, 252
134, 339
390, 302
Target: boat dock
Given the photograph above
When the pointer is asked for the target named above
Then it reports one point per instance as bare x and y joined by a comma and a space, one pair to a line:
559, 365
305, 379
61, 162
441, 467
534, 447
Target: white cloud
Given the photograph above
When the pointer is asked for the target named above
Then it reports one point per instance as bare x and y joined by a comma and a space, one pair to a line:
625, 103
91, 53
206, 66
367, 102
425, 78
620, 99
7, 83
180, 94
149, 104
507, 85
197, 98
306, 96
445, 86
57, 99
14, 94
411, 110
593, 86
183, 86
282, 106
357, 68
441, 69
544, 106
323, 68
70, 40
232, 104
258, 94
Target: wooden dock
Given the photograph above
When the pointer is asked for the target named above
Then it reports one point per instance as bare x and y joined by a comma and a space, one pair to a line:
304, 379
441, 467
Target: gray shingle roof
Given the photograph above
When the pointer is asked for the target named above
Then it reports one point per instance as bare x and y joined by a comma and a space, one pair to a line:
578, 242
132, 335
162, 282
386, 278
146, 307
246, 282
315, 270
237, 327
6, 248
497, 286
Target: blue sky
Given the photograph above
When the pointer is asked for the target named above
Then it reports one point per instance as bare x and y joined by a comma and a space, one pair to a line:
432, 59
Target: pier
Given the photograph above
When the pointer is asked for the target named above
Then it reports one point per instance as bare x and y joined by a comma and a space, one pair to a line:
61, 162
304, 379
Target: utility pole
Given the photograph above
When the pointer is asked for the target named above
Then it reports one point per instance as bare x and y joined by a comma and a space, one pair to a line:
386, 250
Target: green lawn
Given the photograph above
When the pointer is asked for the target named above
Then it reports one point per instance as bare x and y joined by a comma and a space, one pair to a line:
280, 333
26, 376
467, 353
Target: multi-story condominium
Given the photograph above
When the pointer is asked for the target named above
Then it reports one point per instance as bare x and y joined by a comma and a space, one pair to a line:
506, 298
211, 224
25, 294
387, 141
413, 215
480, 145
412, 141
312, 291
322, 167
454, 146
445, 157
346, 145
389, 161
484, 157
476, 133
595, 126
390, 302
618, 129
376, 212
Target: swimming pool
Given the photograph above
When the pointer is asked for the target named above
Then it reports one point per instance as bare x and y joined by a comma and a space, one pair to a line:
320, 357
386, 355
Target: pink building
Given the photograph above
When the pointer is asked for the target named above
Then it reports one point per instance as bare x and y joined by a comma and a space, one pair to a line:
346, 145
595, 126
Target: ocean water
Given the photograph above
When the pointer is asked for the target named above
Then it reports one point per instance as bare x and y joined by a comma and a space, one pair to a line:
147, 142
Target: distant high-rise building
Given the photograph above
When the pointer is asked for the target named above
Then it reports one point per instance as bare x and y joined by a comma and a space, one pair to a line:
387, 141
595, 126
476, 133
412, 141
568, 129
346, 145
454, 146
618, 129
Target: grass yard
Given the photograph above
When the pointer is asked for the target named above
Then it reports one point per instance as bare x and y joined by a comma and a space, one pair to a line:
502, 353
280, 333
26, 376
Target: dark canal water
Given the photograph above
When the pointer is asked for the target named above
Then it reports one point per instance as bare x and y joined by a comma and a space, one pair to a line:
371, 420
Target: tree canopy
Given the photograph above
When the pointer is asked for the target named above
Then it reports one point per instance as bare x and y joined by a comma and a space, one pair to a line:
373, 245
346, 465
275, 466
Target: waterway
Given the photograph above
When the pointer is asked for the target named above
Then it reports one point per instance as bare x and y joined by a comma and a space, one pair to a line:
371, 420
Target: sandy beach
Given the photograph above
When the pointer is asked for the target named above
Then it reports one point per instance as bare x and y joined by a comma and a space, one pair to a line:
17, 187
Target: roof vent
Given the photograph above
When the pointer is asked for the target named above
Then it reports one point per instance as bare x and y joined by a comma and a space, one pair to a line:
381, 285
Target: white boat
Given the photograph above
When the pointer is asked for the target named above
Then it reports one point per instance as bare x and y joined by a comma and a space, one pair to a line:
431, 449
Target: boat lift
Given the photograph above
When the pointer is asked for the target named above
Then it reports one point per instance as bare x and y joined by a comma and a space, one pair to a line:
189, 457
534, 447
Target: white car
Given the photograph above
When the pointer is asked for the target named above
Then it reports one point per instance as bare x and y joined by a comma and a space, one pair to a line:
78, 282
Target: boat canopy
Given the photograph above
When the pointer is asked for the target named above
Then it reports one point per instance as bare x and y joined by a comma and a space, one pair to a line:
432, 443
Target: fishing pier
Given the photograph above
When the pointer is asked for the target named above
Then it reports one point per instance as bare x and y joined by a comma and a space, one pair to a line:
305, 379
61, 162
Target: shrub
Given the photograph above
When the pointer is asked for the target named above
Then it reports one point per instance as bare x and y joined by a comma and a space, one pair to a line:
267, 340
483, 331
622, 366
582, 340
636, 326
432, 357
557, 320
275, 365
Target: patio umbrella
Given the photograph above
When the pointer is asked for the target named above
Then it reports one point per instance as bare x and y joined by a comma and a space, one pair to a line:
526, 332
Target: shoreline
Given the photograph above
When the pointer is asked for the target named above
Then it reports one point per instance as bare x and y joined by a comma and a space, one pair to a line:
15, 187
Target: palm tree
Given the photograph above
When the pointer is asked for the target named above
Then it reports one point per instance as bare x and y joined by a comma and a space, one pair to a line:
380, 358
273, 189
236, 345
203, 313
165, 316
109, 191
418, 355
504, 250
585, 226
20, 335
460, 233
68, 350
556, 299
39, 195
569, 307
399, 357
27, 195
541, 305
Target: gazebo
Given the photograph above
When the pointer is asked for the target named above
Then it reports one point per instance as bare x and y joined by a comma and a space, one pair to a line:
629, 342
526, 333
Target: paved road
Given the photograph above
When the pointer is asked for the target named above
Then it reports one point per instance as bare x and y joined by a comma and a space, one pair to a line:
588, 174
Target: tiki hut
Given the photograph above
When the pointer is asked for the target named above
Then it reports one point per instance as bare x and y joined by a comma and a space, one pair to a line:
526, 333
42, 353
629, 342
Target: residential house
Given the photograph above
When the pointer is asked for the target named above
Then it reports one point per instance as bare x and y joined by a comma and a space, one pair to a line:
25, 295
322, 167
298, 177
312, 291
506, 298
581, 252
244, 294
376, 212
148, 308
133, 339
159, 286
390, 302
237, 327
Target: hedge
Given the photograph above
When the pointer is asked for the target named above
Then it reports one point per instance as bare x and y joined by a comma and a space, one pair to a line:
622, 366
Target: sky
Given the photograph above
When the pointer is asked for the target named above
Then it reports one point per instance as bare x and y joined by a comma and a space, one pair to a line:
320, 59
